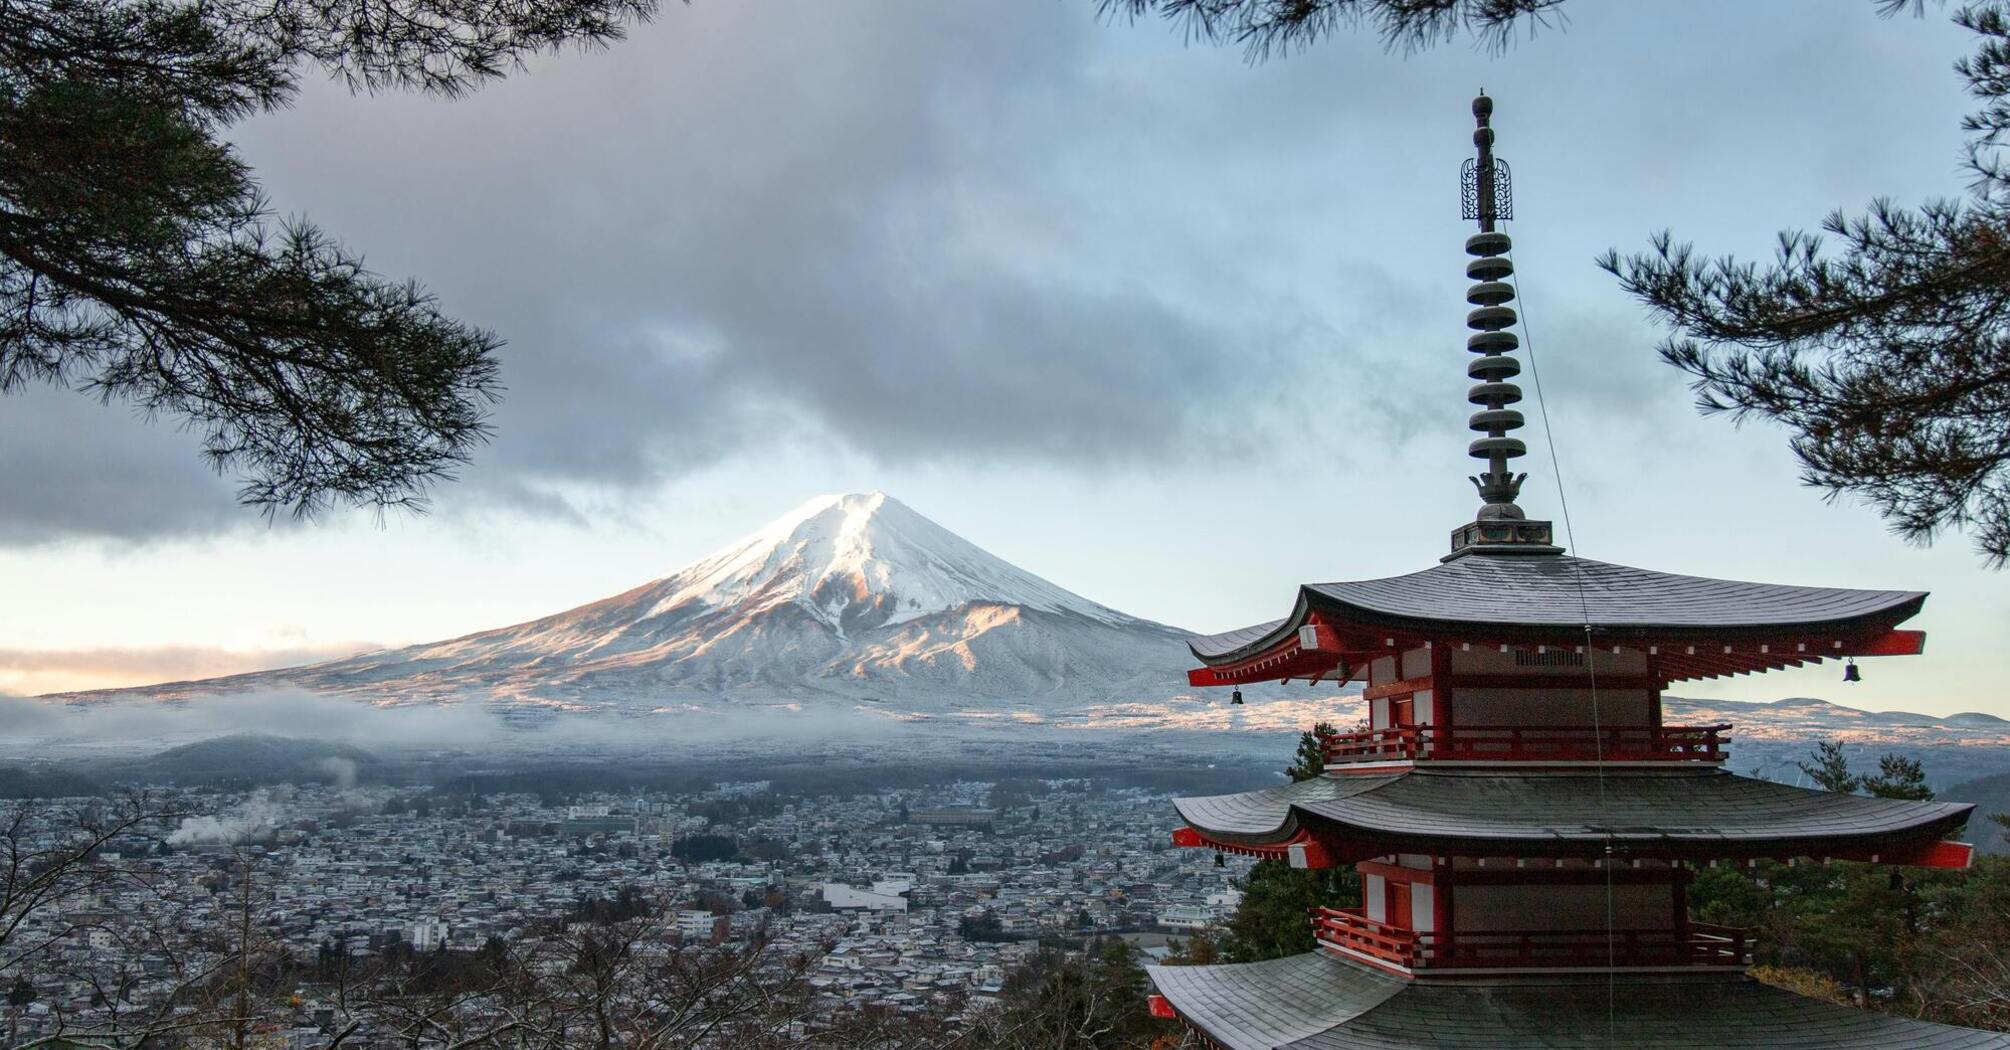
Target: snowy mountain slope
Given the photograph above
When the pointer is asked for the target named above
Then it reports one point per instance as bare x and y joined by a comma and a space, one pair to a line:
863, 561
852, 596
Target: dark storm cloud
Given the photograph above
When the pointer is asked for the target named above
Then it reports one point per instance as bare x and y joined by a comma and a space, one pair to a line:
852, 225
70, 466
980, 232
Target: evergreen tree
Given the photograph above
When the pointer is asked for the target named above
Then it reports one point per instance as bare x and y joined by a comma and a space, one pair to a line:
701, 848
1872, 929
1855, 922
20, 995
1274, 27
1274, 917
1899, 777
1201, 949
1310, 759
139, 262
984, 926
1830, 769
1966, 978
1057, 1001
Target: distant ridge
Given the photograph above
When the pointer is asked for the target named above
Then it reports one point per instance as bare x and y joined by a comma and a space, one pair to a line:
856, 600
1810, 713
256, 758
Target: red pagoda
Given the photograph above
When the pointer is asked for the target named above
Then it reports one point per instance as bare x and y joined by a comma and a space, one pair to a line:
1524, 823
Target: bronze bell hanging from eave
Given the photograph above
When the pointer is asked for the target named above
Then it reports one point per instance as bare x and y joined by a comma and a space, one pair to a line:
1235, 698
1850, 673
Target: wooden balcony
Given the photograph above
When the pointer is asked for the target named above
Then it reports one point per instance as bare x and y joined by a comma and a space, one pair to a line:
1701, 944
1351, 929
1530, 744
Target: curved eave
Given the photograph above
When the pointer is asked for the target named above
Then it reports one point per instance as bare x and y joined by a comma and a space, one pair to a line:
1343, 618
1869, 624
1700, 815
1254, 638
1339, 658
1530, 601
1340, 646
1317, 1002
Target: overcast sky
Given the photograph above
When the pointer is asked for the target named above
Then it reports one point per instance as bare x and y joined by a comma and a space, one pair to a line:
1175, 332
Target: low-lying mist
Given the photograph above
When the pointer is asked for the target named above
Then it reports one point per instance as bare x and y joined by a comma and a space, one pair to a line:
40, 725
32, 723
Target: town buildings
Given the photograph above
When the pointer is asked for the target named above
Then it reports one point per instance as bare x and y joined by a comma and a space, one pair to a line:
875, 902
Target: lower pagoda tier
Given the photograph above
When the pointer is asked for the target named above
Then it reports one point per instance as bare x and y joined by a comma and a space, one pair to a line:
1633, 814
1317, 1002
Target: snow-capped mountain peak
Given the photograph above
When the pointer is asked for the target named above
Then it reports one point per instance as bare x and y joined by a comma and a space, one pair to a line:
865, 560
853, 596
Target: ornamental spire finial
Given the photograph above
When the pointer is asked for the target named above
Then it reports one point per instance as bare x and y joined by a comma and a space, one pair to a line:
1488, 199
1489, 196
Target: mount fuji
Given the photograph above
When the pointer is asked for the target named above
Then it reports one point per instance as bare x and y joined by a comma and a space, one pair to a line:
853, 597
859, 616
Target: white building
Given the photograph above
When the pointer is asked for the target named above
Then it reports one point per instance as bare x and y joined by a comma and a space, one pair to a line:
427, 935
848, 898
697, 925
1187, 917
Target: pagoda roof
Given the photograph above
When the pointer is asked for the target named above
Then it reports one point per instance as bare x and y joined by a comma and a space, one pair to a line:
1549, 599
1507, 593
1317, 1002
1697, 813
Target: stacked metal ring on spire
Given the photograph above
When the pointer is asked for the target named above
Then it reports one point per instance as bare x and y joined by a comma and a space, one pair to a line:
1490, 318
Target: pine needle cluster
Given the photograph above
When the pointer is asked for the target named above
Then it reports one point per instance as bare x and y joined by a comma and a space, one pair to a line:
140, 262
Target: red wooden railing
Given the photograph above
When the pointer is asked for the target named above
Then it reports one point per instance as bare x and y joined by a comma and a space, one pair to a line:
1701, 944
1696, 946
1531, 743
1352, 929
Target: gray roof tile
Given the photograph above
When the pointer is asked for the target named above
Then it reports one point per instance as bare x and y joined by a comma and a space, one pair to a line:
1632, 808
1317, 1002
1567, 592
1274, 1003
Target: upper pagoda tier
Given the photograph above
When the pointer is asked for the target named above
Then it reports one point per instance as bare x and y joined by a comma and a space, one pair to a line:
1694, 626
